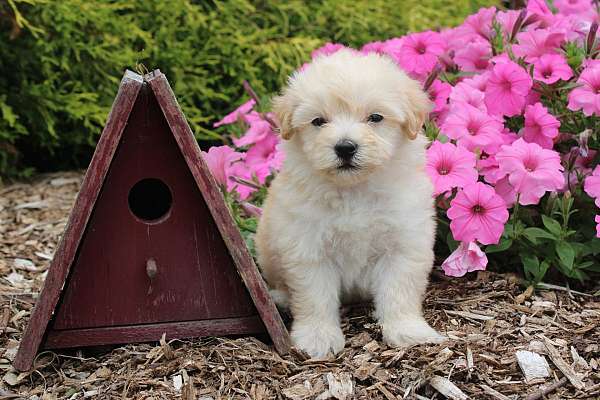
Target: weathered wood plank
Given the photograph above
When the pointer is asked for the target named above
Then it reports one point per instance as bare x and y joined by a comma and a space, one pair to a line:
209, 188
90, 188
58, 339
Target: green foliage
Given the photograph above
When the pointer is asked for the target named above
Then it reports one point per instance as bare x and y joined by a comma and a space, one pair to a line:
62, 59
552, 244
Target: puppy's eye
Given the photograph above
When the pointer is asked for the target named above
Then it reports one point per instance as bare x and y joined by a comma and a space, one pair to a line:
318, 121
375, 118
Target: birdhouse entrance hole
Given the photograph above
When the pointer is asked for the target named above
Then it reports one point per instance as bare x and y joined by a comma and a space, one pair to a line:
150, 199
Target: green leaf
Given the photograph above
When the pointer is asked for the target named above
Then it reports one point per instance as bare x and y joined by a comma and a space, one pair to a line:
578, 274
531, 265
7, 113
579, 248
594, 246
504, 244
452, 244
594, 268
570, 86
544, 266
586, 264
552, 225
566, 253
533, 234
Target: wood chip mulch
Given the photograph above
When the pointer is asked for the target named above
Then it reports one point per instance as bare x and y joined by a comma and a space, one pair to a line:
504, 342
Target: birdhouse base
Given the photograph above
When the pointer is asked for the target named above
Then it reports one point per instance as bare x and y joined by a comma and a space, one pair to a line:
59, 339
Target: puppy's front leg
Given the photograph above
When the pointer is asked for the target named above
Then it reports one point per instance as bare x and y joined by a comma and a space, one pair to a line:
399, 284
315, 305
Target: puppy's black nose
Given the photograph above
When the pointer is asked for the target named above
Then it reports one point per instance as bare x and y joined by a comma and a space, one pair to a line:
345, 149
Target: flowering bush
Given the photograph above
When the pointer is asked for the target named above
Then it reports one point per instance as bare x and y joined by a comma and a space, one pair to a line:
514, 146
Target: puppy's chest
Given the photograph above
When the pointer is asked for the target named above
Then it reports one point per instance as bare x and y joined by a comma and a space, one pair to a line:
356, 239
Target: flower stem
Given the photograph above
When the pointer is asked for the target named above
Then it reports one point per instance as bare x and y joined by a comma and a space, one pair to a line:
514, 216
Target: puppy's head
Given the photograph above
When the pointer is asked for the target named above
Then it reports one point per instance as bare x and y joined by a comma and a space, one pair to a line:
347, 114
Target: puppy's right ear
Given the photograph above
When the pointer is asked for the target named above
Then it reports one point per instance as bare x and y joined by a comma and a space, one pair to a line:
283, 107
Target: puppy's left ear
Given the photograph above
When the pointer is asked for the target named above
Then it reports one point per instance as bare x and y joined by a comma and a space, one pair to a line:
417, 109
283, 107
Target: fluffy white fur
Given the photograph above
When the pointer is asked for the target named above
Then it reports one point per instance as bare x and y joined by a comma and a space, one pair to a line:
328, 235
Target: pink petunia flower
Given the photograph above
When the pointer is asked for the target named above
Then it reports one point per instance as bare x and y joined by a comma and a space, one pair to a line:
258, 130
597, 220
419, 52
488, 165
508, 137
540, 9
535, 43
235, 115
473, 128
507, 20
541, 127
439, 92
449, 166
587, 96
501, 58
327, 49
392, 47
576, 27
466, 94
591, 185
264, 158
488, 168
455, 38
474, 57
479, 24
505, 190
583, 159
468, 257
580, 166
591, 63
478, 82
241, 171
533, 97
570, 7
550, 68
531, 170
477, 213
219, 160
373, 47
254, 168
303, 67
507, 89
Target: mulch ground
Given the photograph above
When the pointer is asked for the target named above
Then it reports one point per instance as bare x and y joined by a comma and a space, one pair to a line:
491, 323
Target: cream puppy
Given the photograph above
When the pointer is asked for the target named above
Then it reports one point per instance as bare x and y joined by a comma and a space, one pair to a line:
350, 216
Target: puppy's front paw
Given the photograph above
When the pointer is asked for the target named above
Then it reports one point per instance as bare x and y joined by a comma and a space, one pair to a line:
407, 332
318, 340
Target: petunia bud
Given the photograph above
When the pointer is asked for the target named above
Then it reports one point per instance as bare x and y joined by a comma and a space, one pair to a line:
250, 209
429, 81
591, 38
518, 24
532, 19
582, 140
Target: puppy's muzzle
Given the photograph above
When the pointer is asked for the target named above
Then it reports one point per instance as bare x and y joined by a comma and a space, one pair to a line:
345, 149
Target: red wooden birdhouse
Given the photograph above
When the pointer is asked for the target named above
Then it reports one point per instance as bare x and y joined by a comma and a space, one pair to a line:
150, 246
